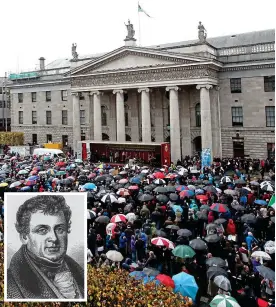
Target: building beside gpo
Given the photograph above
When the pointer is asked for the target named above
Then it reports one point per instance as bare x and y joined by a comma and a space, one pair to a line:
215, 93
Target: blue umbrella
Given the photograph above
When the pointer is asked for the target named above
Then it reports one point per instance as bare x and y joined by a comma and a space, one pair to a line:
176, 207
90, 186
199, 192
260, 202
138, 275
24, 189
33, 178
185, 284
136, 180
148, 279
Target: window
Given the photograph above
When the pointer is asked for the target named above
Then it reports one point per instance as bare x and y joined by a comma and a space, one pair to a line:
34, 117
2, 104
126, 119
269, 84
104, 117
235, 85
48, 138
34, 138
270, 150
237, 116
65, 140
48, 96
33, 96
20, 97
64, 117
81, 96
82, 117
64, 95
20, 117
198, 115
48, 117
270, 116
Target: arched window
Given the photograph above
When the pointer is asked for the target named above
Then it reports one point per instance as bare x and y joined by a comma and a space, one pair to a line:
198, 115
105, 137
104, 117
128, 138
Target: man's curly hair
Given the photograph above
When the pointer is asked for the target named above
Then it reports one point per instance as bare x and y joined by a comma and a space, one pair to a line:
48, 204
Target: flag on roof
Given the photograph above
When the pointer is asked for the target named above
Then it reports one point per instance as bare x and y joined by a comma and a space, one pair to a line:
272, 202
140, 10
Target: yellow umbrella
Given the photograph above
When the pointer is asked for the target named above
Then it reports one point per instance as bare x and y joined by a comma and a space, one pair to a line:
3, 184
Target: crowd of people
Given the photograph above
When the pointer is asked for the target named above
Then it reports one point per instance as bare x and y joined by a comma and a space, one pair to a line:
214, 223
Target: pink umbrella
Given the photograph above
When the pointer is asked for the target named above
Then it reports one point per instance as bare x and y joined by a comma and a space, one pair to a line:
123, 181
133, 187
123, 192
93, 175
118, 218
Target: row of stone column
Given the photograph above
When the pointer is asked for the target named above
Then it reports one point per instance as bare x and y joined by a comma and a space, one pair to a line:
175, 136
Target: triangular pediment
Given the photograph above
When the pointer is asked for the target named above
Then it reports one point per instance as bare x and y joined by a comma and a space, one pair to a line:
126, 58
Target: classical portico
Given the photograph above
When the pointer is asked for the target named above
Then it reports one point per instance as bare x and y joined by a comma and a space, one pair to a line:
158, 86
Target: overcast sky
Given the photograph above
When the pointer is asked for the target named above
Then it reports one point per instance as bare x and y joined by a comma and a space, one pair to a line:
34, 28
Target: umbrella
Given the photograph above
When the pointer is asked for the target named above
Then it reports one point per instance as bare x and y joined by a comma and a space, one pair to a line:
266, 272
135, 180
216, 261
230, 192
182, 172
221, 208
249, 218
24, 189
51, 172
222, 282
15, 184
145, 197
151, 272
177, 208
254, 183
202, 215
200, 192
103, 219
173, 227
214, 271
161, 233
173, 197
184, 232
109, 198
220, 221
137, 275
90, 186
185, 284
239, 181
261, 254
159, 175
213, 238
159, 241
198, 244
160, 182
225, 180
238, 207
131, 217
205, 207
224, 301
210, 189
202, 197
123, 192
165, 280
266, 182
160, 190
114, 256
121, 200
170, 188
60, 173
30, 183
186, 193
133, 187
267, 187
269, 247
118, 218
162, 198
180, 188
22, 172
3, 184
91, 214
260, 202
183, 251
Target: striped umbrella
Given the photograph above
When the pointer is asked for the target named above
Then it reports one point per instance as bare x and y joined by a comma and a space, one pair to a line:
225, 179
160, 241
123, 192
180, 188
118, 218
224, 301
186, 193
221, 208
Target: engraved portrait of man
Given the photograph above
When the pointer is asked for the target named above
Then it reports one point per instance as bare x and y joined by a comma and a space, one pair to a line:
41, 268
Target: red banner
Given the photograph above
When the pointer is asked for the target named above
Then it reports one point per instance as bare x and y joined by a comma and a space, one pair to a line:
166, 154
84, 151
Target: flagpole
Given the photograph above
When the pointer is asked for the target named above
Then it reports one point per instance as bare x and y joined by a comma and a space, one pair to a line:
139, 38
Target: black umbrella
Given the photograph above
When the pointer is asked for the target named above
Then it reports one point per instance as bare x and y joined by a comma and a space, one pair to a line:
214, 271
173, 227
216, 261
220, 221
161, 233
249, 218
239, 181
162, 198
266, 272
202, 215
173, 197
184, 232
210, 189
160, 190
102, 219
238, 207
198, 244
211, 226
100, 178
150, 187
214, 238
145, 197
170, 188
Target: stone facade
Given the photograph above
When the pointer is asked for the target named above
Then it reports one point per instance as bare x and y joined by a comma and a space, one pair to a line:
157, 94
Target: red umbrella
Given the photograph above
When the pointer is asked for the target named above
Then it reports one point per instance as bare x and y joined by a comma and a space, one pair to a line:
118, 218
202, 197
133, 187
160, 241
30, 182
171, 176
165, 280
221, 208
60, 164
159, 175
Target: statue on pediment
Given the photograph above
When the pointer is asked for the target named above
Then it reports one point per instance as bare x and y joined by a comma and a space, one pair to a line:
74, 52
202, 33
130, 31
